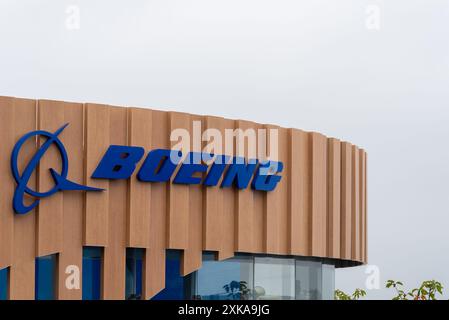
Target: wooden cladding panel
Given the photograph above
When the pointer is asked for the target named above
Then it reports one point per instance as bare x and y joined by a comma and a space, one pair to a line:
229, 219
97, 134
259, 197
49, 218
71, 253
355, 232
318, 208
346, 200
192, 257
115, 252
154, 264
319, 194
213, 197
271, 214
300, 193
363, 222
276, 201
9, 138
21, 273
244, 205
139, 194
178, 194
333, 198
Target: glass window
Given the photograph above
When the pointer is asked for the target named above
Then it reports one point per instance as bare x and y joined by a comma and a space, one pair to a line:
230, 279
274, 278
45, 271
176, 286
328, 282
246, 277
134, 274
308, 280
4, 284
92, 265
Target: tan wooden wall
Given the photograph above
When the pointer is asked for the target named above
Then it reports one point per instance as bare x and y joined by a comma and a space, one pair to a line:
318, 209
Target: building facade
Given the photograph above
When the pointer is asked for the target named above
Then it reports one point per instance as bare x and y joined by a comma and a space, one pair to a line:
71, 229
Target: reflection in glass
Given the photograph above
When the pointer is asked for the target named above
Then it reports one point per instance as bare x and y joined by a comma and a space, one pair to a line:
133, 274
230, 279
308, 280
45, 271
274, 278
328, 281
92, 257
246, 277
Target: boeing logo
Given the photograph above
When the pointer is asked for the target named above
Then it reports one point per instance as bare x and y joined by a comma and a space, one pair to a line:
61, 182
120, 162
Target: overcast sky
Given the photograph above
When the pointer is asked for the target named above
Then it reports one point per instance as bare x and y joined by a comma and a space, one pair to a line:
375, 73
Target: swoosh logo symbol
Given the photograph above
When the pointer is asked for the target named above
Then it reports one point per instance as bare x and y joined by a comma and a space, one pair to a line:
60, 179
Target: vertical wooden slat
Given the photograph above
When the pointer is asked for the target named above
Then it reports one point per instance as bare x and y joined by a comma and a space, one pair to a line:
300, 193
97, 133
276, 214
363, 206
138, 217
346, 200
178, 195
49, 218
213, 201
7, 132
244, 202
154, 266
192, 256
258, 196
115, 251
319, 191
355, 208
229, 219
283, 186
333, 201
21, 275
72, 230
366, 209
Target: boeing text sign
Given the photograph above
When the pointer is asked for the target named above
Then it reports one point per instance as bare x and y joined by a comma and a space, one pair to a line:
120, 162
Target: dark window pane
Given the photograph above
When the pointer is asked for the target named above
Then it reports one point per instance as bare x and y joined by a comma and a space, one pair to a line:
92, 261
231, 279
175, 284
45, 268
133, 273
4, 284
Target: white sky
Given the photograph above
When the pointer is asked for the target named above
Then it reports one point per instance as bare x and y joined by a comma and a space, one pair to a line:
310, 64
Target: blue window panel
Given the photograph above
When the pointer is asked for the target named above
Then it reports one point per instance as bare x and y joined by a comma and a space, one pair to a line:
139, 278
174, 282
134, 273
4, 284
92, 265
45, 271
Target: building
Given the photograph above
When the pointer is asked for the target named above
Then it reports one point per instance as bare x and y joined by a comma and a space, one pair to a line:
143, 238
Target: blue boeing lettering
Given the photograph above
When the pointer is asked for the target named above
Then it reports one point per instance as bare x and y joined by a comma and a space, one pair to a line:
161, 164
120, 162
